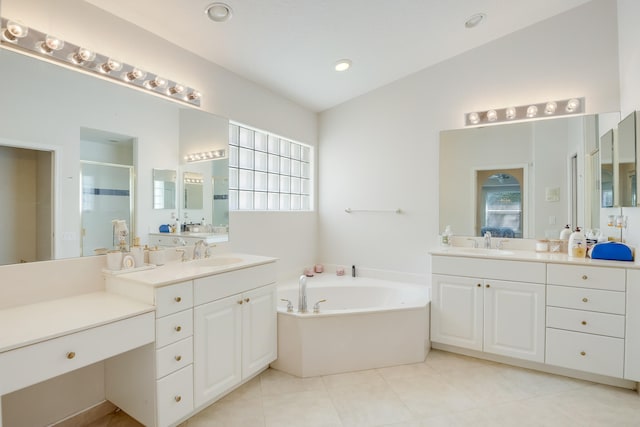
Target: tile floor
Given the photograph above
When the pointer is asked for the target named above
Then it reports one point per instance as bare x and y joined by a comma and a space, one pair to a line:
446, 390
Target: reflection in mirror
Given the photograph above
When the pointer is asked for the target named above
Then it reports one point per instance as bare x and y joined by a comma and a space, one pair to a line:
27, 189
544, 149
106, 179
626, 156
606, 170
193, 190
164, 189
220, 182
500, 207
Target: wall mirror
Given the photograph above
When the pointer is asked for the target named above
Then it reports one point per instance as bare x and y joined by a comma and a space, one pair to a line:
554, 177
44, 108
193, 184
164, 188
625, 148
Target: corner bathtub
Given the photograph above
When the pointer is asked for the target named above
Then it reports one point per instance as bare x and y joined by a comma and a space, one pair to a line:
364, 324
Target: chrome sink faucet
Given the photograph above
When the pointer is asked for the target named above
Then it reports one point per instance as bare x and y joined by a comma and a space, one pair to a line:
487, 240
200, 250
302, 294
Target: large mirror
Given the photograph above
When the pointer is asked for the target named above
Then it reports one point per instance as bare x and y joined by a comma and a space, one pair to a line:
525, 179
46, 111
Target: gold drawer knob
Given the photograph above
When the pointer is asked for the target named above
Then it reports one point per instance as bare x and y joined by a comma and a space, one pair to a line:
71, 355
247, 299
178, 358
178, 328
239, 301
178, 299
488, 285
178, 398
585, 299
479, 285
583, 353
585, 277
584, 322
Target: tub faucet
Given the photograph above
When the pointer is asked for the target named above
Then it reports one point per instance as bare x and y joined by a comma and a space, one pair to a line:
302, 294
487, 240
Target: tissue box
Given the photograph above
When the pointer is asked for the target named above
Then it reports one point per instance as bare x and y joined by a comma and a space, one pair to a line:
613, 251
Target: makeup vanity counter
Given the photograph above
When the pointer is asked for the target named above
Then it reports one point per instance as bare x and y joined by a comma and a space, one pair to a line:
541, 310
215, 329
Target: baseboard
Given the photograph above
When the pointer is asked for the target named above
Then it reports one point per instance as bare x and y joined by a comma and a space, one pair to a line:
87, 416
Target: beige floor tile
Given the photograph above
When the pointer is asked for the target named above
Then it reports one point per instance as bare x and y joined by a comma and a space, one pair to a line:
249, 390
236, 413
369, 377
442, 361
275, 382
540, 383
404, 371
304, 409
429, 396
366, 405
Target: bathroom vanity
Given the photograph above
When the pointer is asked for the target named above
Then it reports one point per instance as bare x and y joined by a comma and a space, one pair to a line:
545, 311
215, 328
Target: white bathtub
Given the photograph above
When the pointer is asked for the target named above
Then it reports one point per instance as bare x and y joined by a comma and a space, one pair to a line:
364, 324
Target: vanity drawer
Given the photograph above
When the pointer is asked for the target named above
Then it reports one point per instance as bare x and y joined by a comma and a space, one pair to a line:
211, 288
175, 396
586, 299
34, 363
175, 327
173, 357
517, 271
173, 298
612, 279
585, 352
586, 321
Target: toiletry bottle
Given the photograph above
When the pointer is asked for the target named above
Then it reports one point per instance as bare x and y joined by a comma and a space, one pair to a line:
577, 244
445, 238
565, 233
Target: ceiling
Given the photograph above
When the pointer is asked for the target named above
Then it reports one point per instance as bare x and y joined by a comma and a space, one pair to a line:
291, 46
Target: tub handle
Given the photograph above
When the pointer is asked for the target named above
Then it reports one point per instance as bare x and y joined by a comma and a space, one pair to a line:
316, 306
289, 305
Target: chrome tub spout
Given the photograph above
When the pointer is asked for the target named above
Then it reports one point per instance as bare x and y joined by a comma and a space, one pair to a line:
302, 294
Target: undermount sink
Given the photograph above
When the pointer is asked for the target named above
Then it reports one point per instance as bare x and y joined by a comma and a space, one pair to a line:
482, 251
218, 261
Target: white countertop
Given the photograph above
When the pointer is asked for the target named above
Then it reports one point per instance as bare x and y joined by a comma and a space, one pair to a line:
28, 324
520, 255
177, 271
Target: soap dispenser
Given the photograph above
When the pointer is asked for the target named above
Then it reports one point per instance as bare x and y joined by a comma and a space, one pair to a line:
565, 233
577, 244
445, 238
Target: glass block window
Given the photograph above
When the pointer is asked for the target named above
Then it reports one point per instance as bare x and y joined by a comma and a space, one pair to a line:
267, 172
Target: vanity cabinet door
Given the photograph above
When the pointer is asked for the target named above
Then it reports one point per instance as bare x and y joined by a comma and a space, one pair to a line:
514, 319
456, 311
259, 329
217, 348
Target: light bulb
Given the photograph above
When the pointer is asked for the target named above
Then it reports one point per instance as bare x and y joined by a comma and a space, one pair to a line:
178, 88
532, 111
15, 31
219, 12
51, 44
572, 105
83, 55
474, 118
343, 65
194, 96
492, 115
510, 113
111, 65
134, 74
158, 82
550, 108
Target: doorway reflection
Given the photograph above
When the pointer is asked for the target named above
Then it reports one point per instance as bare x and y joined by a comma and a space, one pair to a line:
499, 198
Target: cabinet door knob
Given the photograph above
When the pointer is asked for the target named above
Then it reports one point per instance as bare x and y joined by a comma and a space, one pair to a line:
178, 398
178, 299
178, 328
584, 277
178, 358
71, 355
239, 301
488, 285
584, 322
583, 353
247, 299
479, 285
585, 299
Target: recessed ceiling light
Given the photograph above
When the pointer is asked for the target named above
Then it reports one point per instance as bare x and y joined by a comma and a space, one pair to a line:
343, 65
219, 12
475, 20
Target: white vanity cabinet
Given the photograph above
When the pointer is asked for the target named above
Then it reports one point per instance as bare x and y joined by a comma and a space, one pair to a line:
235, 335
586, 309
213, 332
489, 305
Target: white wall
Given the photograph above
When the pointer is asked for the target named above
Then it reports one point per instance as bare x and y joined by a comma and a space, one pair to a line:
380, 150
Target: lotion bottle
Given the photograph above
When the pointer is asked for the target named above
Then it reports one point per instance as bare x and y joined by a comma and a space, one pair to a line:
565, 233
577, 244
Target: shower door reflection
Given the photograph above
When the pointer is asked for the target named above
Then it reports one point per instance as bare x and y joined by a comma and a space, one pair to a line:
107, 194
